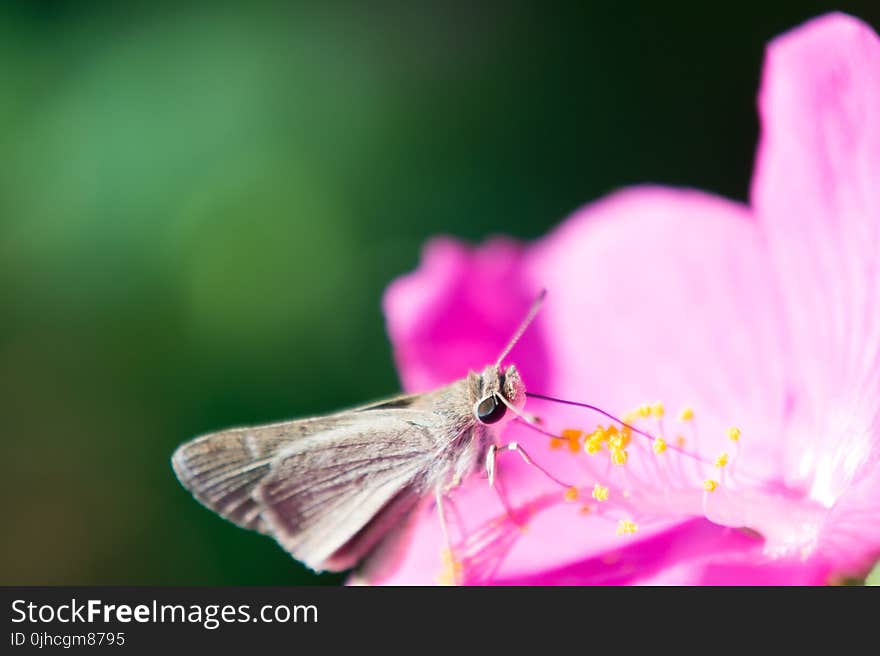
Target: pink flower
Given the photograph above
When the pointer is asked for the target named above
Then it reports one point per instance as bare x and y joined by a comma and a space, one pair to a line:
763, 318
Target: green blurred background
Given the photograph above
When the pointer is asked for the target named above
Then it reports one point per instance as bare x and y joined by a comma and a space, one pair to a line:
200, 208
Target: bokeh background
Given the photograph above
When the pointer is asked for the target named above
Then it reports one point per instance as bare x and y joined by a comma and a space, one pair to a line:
200, 207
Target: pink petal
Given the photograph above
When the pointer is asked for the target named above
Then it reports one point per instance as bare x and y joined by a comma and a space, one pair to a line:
744, 568
816, 191
666, 294
679, 296
850, 538
457, 312
673, 557
652, 294
694, 553
498, 548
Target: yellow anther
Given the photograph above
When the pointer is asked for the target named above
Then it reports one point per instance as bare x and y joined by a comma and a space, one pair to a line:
446, 578
451, 569
619, 456
592, 446
447, 557
571, 494
644, 410
721, 460
600, 493
709, 485
555, 443
734, 433
620, 439
630, 417
626, 527
657, 409
679, 441
659, 445
686, 414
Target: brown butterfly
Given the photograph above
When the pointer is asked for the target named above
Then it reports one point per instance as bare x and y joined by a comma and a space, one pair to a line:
342, 489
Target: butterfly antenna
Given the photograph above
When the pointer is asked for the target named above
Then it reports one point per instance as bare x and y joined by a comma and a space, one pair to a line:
536, 305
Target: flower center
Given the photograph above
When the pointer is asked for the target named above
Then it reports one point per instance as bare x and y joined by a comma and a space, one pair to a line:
649, 468
639, 468
646, 468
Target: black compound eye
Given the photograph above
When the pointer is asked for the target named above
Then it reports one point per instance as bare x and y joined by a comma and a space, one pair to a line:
490, 409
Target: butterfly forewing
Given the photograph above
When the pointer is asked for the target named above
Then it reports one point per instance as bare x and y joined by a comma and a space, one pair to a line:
222, 469
326, 488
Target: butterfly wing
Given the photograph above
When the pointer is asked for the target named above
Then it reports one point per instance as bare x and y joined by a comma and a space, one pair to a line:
328, 488
385, 552
222, 469
330, 497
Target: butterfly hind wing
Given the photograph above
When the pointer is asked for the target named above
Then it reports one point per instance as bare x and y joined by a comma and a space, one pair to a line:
383, 556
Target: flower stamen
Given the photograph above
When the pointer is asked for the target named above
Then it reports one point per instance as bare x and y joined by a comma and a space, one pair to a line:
451, 569
652, 474
572, 436
627, 527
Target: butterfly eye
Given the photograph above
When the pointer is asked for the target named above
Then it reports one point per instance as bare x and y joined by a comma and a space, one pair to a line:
490, 410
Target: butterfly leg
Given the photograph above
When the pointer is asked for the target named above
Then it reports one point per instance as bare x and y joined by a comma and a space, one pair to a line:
496, 482
514, 446
444, 529
451, 572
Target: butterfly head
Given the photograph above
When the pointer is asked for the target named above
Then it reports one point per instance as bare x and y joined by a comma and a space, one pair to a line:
498, 388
